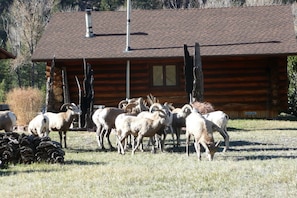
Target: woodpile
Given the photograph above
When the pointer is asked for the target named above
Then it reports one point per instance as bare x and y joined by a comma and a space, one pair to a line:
21, 148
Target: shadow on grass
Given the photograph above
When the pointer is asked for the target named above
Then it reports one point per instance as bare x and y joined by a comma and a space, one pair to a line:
263, 157
258, 150
80, 162
7, 172
82, 150
232, 129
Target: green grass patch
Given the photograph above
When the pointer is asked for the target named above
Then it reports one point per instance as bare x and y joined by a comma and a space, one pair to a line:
261, 163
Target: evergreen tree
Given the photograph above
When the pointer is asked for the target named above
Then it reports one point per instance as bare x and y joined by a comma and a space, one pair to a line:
292, 91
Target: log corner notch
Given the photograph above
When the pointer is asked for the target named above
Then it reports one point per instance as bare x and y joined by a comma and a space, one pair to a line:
193, 75
49, 103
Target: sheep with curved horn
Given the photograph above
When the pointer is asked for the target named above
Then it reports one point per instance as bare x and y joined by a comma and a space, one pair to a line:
61, 121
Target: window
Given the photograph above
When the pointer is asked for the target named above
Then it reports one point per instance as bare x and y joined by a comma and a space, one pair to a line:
164, 75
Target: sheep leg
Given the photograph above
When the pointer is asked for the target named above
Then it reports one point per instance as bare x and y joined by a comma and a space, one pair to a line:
160, 142
120, 145
60, 135
153, 139
197, 148
188, 137
98, 131
172, 134
64, 136
177, 133
208, 153
139, 139
101, 137
107, 135
128, 142
226, 140
225, 135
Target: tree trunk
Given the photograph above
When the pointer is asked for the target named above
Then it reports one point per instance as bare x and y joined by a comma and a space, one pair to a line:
198, 88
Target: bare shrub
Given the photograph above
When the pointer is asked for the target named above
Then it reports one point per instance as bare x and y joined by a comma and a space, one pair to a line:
25, 103
203, 107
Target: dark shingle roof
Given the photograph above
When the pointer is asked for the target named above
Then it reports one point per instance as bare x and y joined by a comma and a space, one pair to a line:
162, 33
5, 54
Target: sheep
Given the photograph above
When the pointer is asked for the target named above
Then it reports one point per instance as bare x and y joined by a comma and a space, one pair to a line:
179, 120
104, 118
7, 120
166, 107
138, 127
161, 131
39, 126
220, 119
202, 130
61, 121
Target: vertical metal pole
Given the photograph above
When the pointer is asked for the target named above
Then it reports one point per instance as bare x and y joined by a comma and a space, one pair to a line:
128, 80
128, 26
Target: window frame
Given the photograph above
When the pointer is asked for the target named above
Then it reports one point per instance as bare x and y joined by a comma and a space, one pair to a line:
164, 80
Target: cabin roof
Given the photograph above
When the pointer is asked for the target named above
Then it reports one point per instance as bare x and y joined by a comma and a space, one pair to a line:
235, 31
5, 54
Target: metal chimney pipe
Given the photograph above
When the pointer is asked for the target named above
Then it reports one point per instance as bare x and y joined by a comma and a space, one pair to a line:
89, 30
128, 26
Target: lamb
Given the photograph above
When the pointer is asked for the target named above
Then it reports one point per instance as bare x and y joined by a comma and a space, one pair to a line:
61, 121
220, 119
7, 120
39, 126
202, 130
138, 127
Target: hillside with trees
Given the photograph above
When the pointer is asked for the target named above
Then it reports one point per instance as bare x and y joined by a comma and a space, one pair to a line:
23, 22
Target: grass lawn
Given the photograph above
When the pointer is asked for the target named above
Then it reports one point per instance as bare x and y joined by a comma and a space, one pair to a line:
261, 163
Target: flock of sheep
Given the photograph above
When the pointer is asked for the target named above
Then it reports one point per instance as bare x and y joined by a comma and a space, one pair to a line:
138, 118
135, 119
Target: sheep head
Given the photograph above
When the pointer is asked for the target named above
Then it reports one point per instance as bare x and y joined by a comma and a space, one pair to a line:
185, 111
133, 105
213, 148
75, 110
165, 119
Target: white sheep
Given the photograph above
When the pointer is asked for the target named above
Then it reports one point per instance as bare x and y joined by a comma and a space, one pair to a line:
166, 107
202, 130
220, 119
160, 135
104, 120
39, 126
138, 127
7, 120
61, 121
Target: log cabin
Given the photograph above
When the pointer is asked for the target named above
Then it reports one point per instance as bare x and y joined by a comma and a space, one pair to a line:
243, 52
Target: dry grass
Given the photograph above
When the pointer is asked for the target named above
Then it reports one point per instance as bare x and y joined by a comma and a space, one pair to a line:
261, 163
25, 103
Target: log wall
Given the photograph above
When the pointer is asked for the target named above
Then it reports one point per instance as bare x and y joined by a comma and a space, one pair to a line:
246, 87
